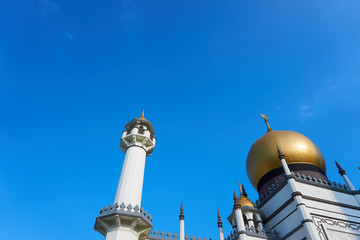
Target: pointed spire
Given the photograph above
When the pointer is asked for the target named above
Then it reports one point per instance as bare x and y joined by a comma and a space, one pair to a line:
181, 216
219, 220
142, 115
269, 130
236, 201
341, 171
243, 190
280, 154
235, 196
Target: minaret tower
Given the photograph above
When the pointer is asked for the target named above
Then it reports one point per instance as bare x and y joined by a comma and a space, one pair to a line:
137, 142
125, 219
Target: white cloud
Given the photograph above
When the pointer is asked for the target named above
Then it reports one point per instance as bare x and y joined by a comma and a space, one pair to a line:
304, 111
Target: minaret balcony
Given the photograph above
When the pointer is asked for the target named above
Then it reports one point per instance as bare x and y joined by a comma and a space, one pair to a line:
138, 140
132, 218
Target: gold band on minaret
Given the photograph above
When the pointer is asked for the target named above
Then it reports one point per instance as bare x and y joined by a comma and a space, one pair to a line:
269, 130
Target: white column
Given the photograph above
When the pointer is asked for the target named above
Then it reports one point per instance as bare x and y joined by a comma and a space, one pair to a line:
182, 229
352, 188
347, 180
259, 222
221, 233
240, 224
250, 218
130, 185
239, 220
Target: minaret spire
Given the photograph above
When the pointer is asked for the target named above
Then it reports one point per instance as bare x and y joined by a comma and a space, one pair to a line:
219, 219
346, 179
243, 190
341, 171
181, 216
142, 115
182, 223
220, 226
236, 201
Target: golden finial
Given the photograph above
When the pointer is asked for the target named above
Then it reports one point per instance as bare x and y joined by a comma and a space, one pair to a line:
241, 192
269, 130
142, 115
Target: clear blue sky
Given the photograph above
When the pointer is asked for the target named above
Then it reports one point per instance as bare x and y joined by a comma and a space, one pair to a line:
73, 73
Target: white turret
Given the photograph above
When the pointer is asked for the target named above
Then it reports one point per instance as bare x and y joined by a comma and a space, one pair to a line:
125, 219
182, 223
220, 227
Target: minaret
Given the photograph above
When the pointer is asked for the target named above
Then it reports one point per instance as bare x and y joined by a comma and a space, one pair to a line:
137, 142
220, 227
182, 223
126, 220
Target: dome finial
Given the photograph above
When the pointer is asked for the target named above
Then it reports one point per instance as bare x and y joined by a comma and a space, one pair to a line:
142, 115
241, 192
269, 130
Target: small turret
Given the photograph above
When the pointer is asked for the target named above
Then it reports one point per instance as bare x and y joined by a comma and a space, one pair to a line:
182, 223
220, 227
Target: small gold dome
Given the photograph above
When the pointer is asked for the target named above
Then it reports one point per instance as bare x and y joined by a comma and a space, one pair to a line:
263, 156
244, 201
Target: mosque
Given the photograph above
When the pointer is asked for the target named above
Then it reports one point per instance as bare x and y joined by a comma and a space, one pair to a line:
297, 200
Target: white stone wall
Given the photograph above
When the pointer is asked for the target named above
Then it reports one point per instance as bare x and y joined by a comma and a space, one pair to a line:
335, 214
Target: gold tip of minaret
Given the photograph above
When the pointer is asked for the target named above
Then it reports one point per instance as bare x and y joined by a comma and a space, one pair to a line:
241, 192
269, 130
142, 115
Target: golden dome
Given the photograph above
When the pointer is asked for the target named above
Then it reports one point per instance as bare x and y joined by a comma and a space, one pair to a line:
244, 201
263, 155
